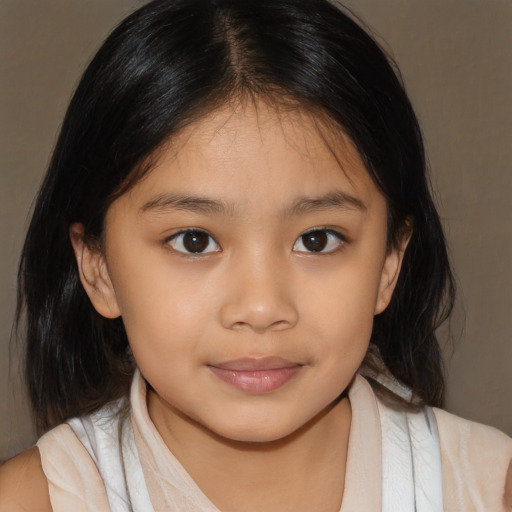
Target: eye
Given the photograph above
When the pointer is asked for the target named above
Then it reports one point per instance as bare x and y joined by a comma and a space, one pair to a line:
193, 241
318, 240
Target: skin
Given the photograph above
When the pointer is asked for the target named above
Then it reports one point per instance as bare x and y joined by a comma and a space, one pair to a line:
255, 180
23, 485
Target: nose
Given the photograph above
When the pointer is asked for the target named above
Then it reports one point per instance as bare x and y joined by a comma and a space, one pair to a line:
259, 297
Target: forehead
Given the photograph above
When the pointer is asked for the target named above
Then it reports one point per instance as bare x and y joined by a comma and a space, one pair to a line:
245, 151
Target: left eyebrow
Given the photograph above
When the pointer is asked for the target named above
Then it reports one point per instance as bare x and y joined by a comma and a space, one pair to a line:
333, 200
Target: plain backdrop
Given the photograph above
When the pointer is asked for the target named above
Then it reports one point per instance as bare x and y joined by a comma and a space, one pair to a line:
456, 61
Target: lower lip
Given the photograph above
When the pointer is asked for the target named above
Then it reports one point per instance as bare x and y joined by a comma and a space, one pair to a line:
256, 381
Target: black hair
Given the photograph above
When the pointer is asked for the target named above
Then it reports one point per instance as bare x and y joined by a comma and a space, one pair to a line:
162, 68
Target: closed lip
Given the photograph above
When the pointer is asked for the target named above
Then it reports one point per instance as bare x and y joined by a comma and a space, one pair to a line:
254, 364
256, 375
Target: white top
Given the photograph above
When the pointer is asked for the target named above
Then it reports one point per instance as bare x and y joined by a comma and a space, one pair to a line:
395, 463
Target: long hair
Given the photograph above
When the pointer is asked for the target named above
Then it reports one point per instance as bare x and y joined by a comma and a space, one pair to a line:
165, 66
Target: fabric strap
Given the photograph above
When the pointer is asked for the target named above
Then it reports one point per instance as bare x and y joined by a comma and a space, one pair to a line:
411, 461
111, 445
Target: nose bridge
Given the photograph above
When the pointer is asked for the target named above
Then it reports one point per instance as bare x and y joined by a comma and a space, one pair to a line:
259, 295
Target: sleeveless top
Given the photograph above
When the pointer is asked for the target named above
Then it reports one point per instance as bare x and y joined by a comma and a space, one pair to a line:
110, 461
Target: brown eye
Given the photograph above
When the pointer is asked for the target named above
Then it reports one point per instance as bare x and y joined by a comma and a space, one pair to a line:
318, 240
315, 241
193, 242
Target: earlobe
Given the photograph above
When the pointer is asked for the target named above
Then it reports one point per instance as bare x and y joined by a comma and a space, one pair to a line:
93, 272
389, 275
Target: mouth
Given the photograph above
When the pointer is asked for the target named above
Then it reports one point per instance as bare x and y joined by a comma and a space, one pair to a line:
256, 375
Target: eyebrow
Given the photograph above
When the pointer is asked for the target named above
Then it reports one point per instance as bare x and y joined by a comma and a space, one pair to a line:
332, 200
166, 202
196, 204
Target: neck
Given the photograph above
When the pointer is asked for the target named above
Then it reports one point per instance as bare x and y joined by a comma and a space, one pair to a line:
303, 471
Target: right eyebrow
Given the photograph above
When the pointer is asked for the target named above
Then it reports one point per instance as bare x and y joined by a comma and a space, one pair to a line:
169, 202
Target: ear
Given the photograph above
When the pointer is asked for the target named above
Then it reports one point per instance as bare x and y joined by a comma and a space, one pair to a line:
390, 273
94, 274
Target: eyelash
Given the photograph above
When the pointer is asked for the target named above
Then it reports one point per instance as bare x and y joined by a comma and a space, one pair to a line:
327, 233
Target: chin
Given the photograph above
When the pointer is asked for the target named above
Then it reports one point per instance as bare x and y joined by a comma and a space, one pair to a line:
251, 437
255, 432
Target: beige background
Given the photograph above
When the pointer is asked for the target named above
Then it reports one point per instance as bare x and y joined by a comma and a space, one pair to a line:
456, 59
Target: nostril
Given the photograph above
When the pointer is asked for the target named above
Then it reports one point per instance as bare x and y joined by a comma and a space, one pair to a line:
262, 327
281, 325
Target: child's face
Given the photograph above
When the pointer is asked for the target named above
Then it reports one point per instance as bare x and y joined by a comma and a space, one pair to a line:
238, 318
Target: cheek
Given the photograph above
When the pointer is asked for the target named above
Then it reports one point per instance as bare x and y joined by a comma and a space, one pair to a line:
341, 312
163, 311
148, 284
347, 297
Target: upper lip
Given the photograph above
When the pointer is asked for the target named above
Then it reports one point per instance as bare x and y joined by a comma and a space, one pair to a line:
255, 364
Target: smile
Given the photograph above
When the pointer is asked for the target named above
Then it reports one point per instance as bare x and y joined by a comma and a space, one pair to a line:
256, 375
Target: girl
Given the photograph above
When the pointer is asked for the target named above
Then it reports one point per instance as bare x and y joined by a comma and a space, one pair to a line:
232, 280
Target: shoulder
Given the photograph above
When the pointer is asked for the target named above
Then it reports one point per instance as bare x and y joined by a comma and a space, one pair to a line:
71, 457
476, 462
468, 439
23, 485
